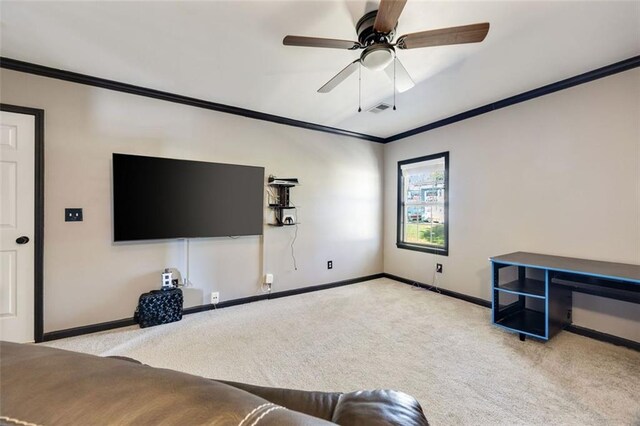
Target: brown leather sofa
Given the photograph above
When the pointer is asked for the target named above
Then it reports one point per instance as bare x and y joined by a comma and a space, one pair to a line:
47, 386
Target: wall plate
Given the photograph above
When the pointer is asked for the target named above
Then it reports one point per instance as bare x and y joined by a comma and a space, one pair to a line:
73, 215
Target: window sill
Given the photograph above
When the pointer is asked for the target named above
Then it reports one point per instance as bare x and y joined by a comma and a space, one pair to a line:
424, 249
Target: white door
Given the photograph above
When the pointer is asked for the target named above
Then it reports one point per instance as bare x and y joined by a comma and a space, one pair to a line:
17, 145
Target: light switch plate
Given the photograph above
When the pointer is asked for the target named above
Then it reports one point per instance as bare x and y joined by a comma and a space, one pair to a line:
73, 215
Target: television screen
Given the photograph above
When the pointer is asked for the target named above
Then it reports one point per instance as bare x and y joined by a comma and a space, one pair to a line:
162, 198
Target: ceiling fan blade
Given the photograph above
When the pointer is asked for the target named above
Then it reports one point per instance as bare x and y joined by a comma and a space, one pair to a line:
454, 35
388, 14
404, 81
320, 42
340, 77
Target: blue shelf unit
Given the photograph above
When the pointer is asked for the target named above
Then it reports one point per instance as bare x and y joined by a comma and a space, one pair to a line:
532, 293
526, 303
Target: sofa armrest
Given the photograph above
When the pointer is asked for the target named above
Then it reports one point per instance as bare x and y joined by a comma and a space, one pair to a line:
377, 407
48, 386
316, 404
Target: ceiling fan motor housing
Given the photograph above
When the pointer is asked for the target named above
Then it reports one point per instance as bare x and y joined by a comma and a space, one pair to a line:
367, 36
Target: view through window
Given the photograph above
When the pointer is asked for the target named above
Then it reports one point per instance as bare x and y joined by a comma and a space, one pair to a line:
422, 203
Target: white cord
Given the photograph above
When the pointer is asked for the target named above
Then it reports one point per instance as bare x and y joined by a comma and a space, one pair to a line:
185, 280
273, 195
274, 199
295, 237
293, 256
433, 286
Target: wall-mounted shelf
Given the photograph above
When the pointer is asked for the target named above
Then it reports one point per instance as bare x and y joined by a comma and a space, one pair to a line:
278, 206
283, 202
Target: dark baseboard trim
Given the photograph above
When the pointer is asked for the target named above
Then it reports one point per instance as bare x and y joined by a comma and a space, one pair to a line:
295, 291
225, 304
587, 332
454, 294
110, 325
603, 337
30, 68
41, 70
606, 71
87, 329
279, 294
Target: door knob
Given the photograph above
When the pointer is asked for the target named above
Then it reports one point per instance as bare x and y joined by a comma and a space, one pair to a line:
22, 240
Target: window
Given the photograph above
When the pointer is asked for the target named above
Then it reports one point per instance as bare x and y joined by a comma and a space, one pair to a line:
423, 206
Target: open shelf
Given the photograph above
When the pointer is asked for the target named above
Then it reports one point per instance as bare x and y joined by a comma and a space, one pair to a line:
278, 206
527, 287
527, 321
284, 185
281, 203
283, 182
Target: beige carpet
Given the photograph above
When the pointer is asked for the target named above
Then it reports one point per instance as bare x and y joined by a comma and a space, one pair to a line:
383, 334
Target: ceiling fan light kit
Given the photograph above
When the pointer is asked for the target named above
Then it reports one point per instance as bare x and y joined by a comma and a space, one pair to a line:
376, 31
377, 57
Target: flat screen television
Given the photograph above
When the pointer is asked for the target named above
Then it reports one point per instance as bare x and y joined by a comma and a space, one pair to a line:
162, 198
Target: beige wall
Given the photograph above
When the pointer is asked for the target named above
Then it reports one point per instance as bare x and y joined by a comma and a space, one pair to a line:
559, 174
89, 279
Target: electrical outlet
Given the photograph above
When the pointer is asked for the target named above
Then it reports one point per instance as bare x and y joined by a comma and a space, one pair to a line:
268, 281
439, 268
215, 297
330, 264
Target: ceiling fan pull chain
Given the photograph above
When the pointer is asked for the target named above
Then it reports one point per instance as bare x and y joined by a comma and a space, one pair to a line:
395, 59
359, 86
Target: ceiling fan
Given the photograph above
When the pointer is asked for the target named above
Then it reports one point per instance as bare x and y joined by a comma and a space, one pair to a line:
376, 31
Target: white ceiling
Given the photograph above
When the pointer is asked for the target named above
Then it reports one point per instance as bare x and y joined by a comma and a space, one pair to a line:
231, 52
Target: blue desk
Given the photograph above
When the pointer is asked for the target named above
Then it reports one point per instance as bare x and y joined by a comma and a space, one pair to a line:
537, 301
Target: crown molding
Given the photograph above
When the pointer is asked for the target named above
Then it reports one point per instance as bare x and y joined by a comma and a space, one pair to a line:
41, 70
586, 77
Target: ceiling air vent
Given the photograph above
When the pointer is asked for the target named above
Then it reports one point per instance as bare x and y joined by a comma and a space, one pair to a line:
380, 108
